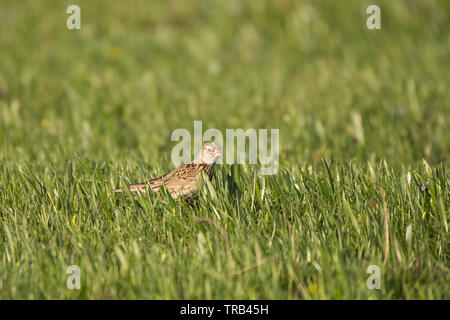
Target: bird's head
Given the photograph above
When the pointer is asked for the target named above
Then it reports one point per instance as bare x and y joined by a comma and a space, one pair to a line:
209, 154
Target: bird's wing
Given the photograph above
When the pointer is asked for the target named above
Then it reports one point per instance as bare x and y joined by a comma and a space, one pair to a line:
182, 181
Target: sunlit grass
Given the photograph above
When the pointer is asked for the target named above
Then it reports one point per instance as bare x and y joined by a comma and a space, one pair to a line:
363, 120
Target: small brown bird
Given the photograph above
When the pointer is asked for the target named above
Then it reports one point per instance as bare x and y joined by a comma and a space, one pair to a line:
183, 182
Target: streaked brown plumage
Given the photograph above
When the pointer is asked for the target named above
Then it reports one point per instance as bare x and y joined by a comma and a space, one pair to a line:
183, 182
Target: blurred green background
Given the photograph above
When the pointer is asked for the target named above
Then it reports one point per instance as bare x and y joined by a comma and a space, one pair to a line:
137, 70
82, 111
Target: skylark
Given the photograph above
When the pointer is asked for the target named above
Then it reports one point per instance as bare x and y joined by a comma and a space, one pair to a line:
185, 181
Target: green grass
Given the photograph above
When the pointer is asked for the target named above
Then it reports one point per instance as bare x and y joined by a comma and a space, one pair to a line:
359, 111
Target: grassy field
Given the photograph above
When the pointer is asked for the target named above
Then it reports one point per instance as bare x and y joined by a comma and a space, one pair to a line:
364, 149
